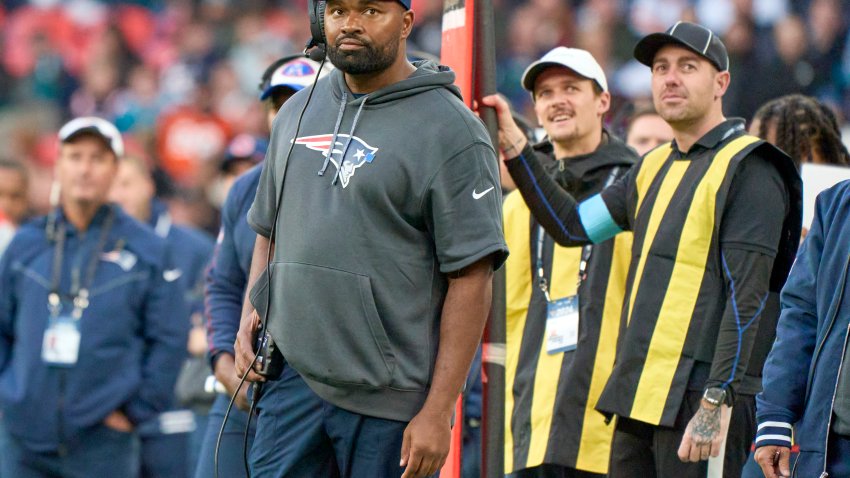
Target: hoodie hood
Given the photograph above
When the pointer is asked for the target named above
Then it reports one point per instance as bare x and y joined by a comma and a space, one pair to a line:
587, 174
428, 76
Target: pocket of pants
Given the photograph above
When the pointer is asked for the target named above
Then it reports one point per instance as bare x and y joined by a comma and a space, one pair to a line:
328, 327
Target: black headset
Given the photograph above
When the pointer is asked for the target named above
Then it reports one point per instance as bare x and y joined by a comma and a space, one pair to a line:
318, 42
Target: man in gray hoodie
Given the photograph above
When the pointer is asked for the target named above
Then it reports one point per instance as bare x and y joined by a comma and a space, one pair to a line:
381, 279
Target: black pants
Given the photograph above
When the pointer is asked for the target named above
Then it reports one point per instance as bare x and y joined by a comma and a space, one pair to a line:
553, 471
649, 451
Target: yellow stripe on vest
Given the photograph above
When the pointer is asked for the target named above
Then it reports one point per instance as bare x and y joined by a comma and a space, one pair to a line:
595, 446
563, 283
671, 328
649, 168
665, 193
517, 296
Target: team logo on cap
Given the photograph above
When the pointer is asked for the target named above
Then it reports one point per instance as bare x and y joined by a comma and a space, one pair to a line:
297, 71
358, 153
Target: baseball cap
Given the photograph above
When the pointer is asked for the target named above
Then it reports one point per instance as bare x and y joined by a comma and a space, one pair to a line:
96, 126
692, 36
580, 61
294, 72
244, 147
406, 3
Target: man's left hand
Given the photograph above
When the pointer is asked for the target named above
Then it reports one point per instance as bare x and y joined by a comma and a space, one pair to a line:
425, 445
118, 422
705, 432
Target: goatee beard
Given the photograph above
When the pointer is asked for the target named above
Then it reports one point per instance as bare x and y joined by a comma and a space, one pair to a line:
364, 61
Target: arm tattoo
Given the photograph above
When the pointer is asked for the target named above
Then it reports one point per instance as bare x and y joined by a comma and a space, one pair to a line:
705, 425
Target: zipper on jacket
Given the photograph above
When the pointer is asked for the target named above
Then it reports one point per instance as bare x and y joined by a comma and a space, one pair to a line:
818, 349
832, 404
843, 286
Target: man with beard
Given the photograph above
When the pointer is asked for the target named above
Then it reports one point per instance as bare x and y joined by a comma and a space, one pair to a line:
716, 222
378, 293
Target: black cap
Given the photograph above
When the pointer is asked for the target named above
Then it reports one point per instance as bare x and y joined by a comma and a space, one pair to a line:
696, 38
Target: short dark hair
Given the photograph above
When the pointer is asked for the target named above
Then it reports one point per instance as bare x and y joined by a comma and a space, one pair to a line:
639, 112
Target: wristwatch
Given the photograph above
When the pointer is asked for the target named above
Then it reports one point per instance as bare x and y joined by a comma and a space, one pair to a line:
714, 396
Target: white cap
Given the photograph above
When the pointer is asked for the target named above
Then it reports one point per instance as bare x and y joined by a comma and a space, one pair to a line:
580, 61
296, 74
94, 125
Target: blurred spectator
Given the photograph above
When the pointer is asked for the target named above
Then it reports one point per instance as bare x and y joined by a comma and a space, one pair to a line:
14, 191
243, 153
96, 95
828, 33
646, 130
189, 138
802, 127
741, 42
137, 106
90, 347
165, 439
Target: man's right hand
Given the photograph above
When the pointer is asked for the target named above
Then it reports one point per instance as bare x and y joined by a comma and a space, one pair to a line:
511, 139
244, 347
225, 373
775, 461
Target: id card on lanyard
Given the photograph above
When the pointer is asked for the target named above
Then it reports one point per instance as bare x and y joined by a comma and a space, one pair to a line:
562, 315
61, 344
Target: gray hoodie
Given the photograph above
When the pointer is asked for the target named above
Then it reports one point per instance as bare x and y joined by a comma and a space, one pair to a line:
358, 277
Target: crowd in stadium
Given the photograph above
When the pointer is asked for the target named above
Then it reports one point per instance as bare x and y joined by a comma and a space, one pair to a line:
162, 70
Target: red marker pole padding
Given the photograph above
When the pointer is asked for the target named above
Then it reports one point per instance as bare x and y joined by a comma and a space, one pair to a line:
457, 53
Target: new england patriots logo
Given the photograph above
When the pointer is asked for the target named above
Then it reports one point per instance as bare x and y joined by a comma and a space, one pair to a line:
358, 153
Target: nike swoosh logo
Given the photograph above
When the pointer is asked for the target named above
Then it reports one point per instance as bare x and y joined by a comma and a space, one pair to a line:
172, 275
477, 195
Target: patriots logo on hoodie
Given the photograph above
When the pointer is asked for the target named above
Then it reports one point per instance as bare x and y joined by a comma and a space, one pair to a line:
357, 154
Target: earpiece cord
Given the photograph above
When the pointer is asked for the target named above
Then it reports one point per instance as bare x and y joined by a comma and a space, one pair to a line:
268, 295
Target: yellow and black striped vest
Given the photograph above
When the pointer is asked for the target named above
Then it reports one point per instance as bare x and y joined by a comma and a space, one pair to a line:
550, 399
676, 294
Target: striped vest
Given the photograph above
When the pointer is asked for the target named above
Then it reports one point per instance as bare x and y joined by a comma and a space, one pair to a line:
550, 399
676, 295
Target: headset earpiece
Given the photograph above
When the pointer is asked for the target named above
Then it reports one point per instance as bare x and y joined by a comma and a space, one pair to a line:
316, 11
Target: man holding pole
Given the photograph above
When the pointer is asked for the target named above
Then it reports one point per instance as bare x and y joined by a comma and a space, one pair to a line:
558, 364
716, 221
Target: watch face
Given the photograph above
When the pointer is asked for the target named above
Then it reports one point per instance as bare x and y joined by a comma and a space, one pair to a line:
715, 396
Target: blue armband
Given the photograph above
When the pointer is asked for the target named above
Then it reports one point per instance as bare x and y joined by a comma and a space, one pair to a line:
596, 220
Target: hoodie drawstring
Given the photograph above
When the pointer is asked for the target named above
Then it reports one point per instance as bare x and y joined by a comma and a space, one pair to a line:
348, 141
336, 132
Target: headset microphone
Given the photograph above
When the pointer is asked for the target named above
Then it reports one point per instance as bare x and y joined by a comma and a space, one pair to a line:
317, 54
317, 44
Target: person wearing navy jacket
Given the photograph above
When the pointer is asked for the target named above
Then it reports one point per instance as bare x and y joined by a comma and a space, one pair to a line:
807, 375
88, 345
170, 442
227, 278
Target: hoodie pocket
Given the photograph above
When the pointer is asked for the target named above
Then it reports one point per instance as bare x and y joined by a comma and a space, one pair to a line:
330, 329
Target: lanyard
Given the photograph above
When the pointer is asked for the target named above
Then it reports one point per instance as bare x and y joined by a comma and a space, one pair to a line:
586, 251
80, 291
